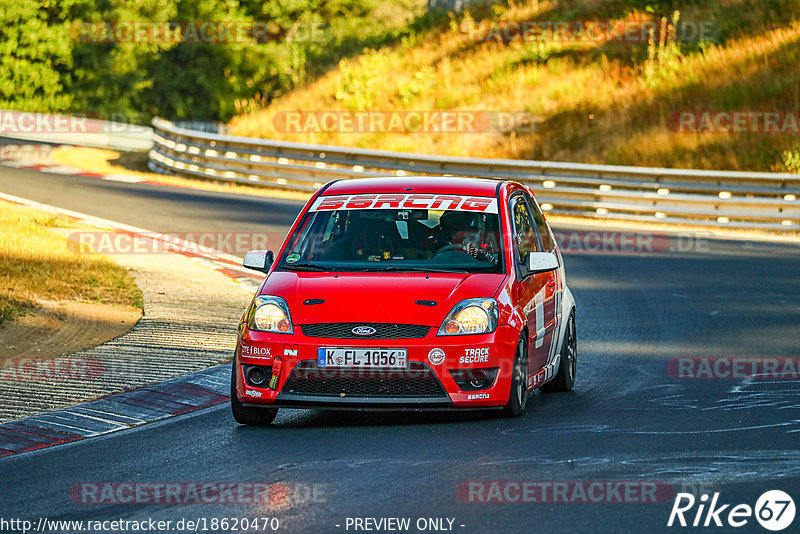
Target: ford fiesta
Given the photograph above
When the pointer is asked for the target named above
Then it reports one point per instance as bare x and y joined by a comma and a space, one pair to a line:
407, 293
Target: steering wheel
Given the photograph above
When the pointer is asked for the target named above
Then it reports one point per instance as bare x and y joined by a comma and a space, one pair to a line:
449, 249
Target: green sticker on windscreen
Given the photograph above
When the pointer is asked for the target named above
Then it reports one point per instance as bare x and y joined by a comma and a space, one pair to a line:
291, 258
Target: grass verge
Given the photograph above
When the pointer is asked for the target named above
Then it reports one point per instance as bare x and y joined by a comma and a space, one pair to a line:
37, 265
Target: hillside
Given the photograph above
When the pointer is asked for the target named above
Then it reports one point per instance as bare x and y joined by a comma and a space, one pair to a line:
606, 99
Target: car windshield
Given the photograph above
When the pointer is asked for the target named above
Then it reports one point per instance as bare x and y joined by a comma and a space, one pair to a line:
401, 240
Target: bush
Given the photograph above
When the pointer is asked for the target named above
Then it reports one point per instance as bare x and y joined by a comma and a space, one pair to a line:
44, 65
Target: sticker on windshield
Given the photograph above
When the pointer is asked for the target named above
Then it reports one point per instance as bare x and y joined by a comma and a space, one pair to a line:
412, 202
291, 258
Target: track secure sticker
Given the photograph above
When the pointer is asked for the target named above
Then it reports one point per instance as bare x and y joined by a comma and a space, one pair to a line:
476, 355
436, 356
292, 258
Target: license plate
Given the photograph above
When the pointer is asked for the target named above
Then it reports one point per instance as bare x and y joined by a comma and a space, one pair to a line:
362, 358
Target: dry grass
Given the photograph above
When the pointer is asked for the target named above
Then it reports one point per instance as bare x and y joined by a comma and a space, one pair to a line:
596, 102
36, 265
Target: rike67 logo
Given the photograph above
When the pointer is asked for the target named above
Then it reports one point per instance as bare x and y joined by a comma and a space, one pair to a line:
774, 510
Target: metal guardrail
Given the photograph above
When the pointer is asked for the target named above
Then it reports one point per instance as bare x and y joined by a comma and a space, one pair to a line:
711, 198
77, 130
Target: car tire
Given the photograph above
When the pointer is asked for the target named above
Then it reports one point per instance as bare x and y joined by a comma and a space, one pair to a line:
248, 415
565, 377
518, 393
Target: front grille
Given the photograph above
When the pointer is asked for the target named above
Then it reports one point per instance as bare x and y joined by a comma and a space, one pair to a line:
416, 381
382, 330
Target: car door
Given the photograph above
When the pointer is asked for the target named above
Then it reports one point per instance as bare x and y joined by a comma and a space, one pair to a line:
553, 285
530, 289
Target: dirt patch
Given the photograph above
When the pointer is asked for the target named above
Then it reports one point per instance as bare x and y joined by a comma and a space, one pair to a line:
57, 328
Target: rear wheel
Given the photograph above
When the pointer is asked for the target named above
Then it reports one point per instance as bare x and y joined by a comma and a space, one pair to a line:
248, 415
565, 377
518, 395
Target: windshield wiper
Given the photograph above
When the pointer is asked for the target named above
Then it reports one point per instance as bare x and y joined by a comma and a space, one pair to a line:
306, 267
397, 268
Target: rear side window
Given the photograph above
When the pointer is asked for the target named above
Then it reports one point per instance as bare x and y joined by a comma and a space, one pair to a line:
546, 239
544, 232
524, 233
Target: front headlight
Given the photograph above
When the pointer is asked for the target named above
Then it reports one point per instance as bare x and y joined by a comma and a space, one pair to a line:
471, 316
270, 314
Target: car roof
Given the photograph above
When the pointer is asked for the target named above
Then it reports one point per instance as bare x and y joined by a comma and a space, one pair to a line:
443, 185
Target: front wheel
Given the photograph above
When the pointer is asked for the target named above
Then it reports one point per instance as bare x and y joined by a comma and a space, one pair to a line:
518, 395
248, 415
565, 377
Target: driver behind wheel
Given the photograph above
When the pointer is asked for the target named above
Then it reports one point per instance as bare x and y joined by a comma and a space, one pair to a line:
460, 230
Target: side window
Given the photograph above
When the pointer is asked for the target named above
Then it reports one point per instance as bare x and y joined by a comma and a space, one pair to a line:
541, 225
524, 234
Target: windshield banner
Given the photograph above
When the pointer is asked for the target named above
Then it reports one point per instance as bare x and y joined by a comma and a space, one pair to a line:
412, 202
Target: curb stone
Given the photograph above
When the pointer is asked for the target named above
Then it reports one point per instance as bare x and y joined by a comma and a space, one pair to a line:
113, 413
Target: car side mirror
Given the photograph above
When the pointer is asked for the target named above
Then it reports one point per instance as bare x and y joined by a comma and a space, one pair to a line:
258, 260
541, 262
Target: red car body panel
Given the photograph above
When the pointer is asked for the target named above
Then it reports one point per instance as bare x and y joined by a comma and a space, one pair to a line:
529, 307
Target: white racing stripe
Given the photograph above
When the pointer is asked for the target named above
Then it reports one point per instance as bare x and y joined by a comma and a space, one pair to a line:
126, 178
61, 169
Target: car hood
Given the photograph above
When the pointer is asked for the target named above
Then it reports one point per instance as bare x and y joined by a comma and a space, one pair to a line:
376, 297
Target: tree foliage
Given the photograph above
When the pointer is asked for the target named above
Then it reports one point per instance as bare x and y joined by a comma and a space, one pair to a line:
48, 62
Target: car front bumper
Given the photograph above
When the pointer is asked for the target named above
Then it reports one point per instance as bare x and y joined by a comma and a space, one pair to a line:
389, 389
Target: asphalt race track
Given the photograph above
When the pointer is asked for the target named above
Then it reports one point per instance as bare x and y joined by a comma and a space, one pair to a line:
626, 420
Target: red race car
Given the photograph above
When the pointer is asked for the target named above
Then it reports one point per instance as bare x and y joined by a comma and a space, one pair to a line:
407, 293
